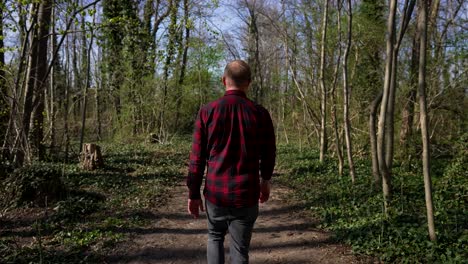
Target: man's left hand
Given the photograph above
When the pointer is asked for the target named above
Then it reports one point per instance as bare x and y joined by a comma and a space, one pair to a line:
194, 206
265, 187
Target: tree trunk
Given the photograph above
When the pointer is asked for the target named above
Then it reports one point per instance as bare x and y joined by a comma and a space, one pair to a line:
258, 68
31, 132
112, 12
422, 28
373, 140
384, 171
253, 49
12, 142
76, 73
407, 114
148, 11
37, 131
434, 11
323, 101
346, 96
336, 133
167, 65
52, 85
66, 104
184, 45
389, 125
22, 145
97, 99
86, 84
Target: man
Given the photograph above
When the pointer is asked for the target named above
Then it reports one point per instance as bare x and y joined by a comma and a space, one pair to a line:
236, 138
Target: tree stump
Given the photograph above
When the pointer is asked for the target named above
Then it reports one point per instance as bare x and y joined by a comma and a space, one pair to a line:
91, 157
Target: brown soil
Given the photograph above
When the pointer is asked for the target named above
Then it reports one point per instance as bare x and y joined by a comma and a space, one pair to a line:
283, 233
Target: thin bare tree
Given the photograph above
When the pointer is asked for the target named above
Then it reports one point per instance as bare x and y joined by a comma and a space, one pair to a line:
422, 28
347, 95
87, 81
385, 173
389, 125
386, 122
171, 50
323, 100
334, 102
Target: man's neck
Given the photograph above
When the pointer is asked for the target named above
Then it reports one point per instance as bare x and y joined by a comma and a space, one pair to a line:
234, 88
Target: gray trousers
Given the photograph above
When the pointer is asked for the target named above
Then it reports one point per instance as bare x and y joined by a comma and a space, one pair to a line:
239, 222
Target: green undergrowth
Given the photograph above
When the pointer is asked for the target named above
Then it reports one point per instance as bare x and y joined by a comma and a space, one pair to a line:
356, 216
98, 209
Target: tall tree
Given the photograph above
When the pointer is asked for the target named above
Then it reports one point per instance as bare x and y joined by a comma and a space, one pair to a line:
323, 89
97, 99
183, 53
385, 173
373, 108
120, 17
371, 35
386, 122
422, 28
51, 92
31, 133
66, 103
87, 82
171, 50
11, 143
37, 130
347, 95
253, 48
338, 147
389, 125
154, 12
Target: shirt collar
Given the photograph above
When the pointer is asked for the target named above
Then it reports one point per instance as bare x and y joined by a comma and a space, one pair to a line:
235, 92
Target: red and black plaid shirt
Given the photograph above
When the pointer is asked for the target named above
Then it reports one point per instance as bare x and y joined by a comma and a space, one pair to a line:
236, 138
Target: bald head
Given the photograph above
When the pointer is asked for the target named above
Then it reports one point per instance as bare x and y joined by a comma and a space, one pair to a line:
237, 72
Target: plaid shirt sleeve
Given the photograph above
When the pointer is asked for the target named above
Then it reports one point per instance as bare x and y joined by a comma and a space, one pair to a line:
267, 145
197, 158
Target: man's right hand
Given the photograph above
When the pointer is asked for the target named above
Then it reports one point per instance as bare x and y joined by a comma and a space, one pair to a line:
265, 187
194, 206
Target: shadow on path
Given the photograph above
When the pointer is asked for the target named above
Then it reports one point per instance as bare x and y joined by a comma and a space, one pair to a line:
283, 234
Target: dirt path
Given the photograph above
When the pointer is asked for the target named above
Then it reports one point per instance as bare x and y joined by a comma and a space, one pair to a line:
282, 234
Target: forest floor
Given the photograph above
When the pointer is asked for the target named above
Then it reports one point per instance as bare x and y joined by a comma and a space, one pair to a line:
134, 211
283, 233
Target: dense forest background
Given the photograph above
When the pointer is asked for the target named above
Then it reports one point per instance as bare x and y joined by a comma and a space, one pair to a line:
380, 81
113, 69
